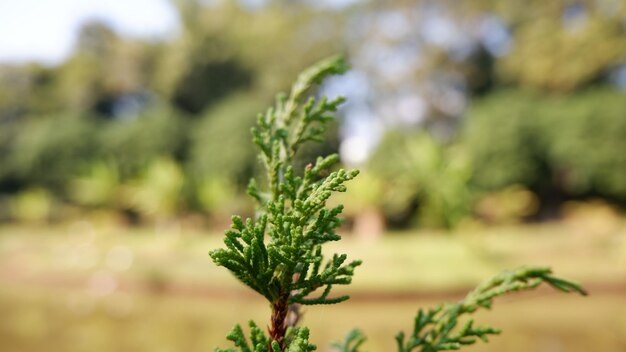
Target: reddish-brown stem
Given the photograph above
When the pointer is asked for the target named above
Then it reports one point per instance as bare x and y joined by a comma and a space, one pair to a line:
278, 329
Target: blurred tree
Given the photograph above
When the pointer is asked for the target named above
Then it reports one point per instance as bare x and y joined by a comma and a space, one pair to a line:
585, 134
118, 99
568, 145
419, 62
46, 149
225, 47
500, 136
103, 67
565, 45
106, 67
416, 65
134, 142
220, 141
201, 66
28, 89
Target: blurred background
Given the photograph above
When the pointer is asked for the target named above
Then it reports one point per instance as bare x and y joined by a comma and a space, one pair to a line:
490, 134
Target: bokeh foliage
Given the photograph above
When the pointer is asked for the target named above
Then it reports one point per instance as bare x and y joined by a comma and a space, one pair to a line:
570, 144
93, 130
545, 113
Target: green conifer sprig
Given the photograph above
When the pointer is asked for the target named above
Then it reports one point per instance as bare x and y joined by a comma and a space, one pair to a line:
279, 252
353, 340
436, 329
259, 342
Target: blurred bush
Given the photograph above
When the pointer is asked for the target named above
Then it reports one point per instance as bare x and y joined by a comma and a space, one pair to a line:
156, 194
500, 136
423, 177
220, 142
220, 198
216, 195
564, 46
133, 142
98, 187
568, 145
44, 150
33, 205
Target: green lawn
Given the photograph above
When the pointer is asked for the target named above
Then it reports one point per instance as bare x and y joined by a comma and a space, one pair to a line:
96, 288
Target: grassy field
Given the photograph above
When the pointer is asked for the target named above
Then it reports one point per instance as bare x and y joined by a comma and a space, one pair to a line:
82, 287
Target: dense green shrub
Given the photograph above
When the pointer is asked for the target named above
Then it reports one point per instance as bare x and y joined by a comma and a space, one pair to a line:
219, 143
586, 142
558, 49
422, 176
500, 136
132, 143
86, 159
157, 192
45, 150
573, 145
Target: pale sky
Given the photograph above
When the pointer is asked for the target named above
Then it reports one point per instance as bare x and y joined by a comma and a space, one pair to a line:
45, 30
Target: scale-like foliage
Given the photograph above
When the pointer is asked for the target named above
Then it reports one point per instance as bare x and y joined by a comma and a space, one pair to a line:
437, 329
259, 342
279, 252
353, 340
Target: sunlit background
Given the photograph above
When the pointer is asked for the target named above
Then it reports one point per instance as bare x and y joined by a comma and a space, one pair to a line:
489, 133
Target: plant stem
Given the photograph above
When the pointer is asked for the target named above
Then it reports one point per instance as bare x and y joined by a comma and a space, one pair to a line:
280, 309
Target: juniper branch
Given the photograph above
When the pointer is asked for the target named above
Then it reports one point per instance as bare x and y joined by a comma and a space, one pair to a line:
437, 329
279, 252
353, 340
